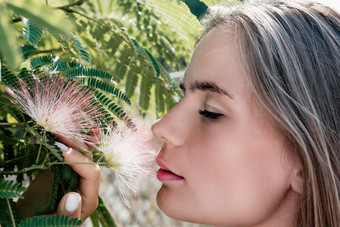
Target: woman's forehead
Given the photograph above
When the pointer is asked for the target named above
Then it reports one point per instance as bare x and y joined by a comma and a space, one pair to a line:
215, 50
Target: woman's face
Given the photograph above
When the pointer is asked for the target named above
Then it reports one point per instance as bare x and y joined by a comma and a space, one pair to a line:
223, 161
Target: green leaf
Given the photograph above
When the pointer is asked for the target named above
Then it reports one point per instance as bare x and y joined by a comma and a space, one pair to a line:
40, 14
131, 82
83, 52
139, 50
102, 216
105, 86
40, 61
59, 66
159, 98
55, 150
8, 43
109, 104
145, 90
166, 76
154, 62
9, 189
8, 78
31, 32
83, 71
50, 221
27, 50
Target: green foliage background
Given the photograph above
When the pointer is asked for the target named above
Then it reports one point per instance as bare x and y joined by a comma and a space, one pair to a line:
122, 50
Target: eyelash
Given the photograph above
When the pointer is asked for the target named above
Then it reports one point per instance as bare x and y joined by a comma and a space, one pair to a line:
210, 115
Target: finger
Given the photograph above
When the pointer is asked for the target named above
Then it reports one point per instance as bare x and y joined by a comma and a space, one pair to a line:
70, 205
89, 183
75, 144
72, 142
95, 135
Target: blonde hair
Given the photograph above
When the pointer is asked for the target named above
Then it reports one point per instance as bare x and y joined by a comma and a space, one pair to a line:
291, 54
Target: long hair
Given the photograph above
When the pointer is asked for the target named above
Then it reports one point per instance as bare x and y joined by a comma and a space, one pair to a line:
291, 54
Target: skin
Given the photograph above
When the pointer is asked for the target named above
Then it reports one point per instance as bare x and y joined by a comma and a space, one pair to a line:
236, 170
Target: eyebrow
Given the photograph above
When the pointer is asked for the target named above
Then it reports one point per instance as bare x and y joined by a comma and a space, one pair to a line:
207, 86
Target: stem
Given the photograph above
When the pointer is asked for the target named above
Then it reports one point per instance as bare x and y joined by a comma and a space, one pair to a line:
84, 163
10, 212
9, 124
59, 49
25, 170
14, 160
46, 166
41, 143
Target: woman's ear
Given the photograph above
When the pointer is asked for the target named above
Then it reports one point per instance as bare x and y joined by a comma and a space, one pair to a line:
297, 179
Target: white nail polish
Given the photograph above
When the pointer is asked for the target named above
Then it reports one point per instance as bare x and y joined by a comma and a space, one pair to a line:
72, 202
62, 146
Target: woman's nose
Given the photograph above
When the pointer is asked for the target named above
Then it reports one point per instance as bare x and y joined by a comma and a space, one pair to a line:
171, 127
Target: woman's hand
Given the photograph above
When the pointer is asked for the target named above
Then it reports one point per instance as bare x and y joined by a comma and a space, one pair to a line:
83, 203
80, 204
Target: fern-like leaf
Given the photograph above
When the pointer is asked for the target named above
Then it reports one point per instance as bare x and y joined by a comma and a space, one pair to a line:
9, 189
40, 61
154, 62
109, 104
159, 99
73, 179
145, 90
131, 82
27, 50
83, 52
59, 66
31, 32
83, 71
50, 221
139, 50
55, 150
166, 76
106, 118
8, 78
104, 86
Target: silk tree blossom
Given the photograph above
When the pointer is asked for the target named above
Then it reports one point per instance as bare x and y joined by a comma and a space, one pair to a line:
62, 108
130, 153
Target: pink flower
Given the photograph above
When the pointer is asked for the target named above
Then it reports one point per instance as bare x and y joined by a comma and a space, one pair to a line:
62, 108
130, 153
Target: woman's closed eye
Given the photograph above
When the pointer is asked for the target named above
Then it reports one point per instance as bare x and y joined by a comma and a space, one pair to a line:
209, 114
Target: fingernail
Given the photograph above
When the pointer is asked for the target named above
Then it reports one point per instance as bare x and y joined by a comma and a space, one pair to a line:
62, 146
72, 202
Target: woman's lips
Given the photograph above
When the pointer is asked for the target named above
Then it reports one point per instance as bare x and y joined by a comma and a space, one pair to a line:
165, 175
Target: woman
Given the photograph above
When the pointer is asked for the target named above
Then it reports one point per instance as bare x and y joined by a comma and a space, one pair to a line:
256, 139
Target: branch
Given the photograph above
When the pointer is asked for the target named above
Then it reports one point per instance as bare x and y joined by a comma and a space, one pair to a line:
9, 124
48, 51
67, 7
